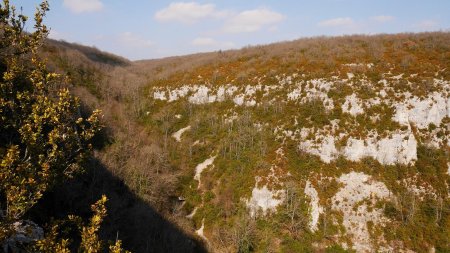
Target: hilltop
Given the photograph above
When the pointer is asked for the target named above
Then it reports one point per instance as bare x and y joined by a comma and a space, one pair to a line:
322, 144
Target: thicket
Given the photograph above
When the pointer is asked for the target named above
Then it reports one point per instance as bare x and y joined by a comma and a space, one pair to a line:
43, 139
142, 154
245, 152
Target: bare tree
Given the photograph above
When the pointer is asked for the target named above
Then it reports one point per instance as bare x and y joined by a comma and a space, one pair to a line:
297, 220
244, 233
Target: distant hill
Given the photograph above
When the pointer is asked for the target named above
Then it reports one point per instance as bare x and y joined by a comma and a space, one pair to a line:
93, 54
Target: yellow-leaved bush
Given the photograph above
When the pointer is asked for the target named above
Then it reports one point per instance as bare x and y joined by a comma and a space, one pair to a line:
43, 136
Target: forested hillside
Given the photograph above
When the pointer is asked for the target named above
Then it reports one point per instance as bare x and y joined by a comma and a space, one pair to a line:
310, 145
326, 144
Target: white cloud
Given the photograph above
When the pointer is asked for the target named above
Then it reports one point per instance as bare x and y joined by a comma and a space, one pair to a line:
382, 18
336, 22
188, 13
79, 6
426, 25
210, 42
273, 28
252, 20
132, 40
245, 21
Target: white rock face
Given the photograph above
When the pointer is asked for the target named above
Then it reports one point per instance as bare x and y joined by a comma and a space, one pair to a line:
251, 90
230, 90
221, 94
264, 200
398, 148
315, 207
200, 232
318, 89
191, 215
201, 96
448, 107
177, 134
239, 100
178, 93
159, 95
326, 149
295, 94
250, 102
422, 112
357, 149
353, 105
359, 192
353, 65
202, 166
356, 200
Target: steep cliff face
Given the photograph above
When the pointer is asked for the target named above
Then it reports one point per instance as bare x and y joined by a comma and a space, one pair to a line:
338, 138
351, 154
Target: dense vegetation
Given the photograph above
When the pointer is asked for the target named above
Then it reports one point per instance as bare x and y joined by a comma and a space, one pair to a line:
49, 178
148, 175
245, 151
44, 139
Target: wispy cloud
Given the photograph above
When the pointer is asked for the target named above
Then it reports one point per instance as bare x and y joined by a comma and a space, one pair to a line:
382, 18
129, 39
210, 42
252, 20
188, 13
335, 22
80, 6
234, 22
426, 25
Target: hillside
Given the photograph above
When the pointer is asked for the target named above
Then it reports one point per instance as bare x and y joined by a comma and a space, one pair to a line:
314, 145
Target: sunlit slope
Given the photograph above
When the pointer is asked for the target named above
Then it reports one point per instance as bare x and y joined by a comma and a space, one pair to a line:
339, 143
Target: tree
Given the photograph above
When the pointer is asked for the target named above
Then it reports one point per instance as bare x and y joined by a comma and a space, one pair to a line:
43, 137
244, 233
296, 220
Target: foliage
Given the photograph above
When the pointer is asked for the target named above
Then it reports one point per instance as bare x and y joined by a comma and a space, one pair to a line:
43, 137
154, 166
90, 242
244, 234
247, 137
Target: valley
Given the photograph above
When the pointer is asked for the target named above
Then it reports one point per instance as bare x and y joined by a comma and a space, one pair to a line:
321, 144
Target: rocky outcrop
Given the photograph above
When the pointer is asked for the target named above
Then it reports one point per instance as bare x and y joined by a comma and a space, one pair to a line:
24, 233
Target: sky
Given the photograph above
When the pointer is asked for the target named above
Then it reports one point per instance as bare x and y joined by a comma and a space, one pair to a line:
148, 29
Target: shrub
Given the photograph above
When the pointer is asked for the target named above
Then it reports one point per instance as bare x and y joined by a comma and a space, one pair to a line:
43, 137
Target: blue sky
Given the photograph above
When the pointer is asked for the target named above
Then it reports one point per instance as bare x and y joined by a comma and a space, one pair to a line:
144, 29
